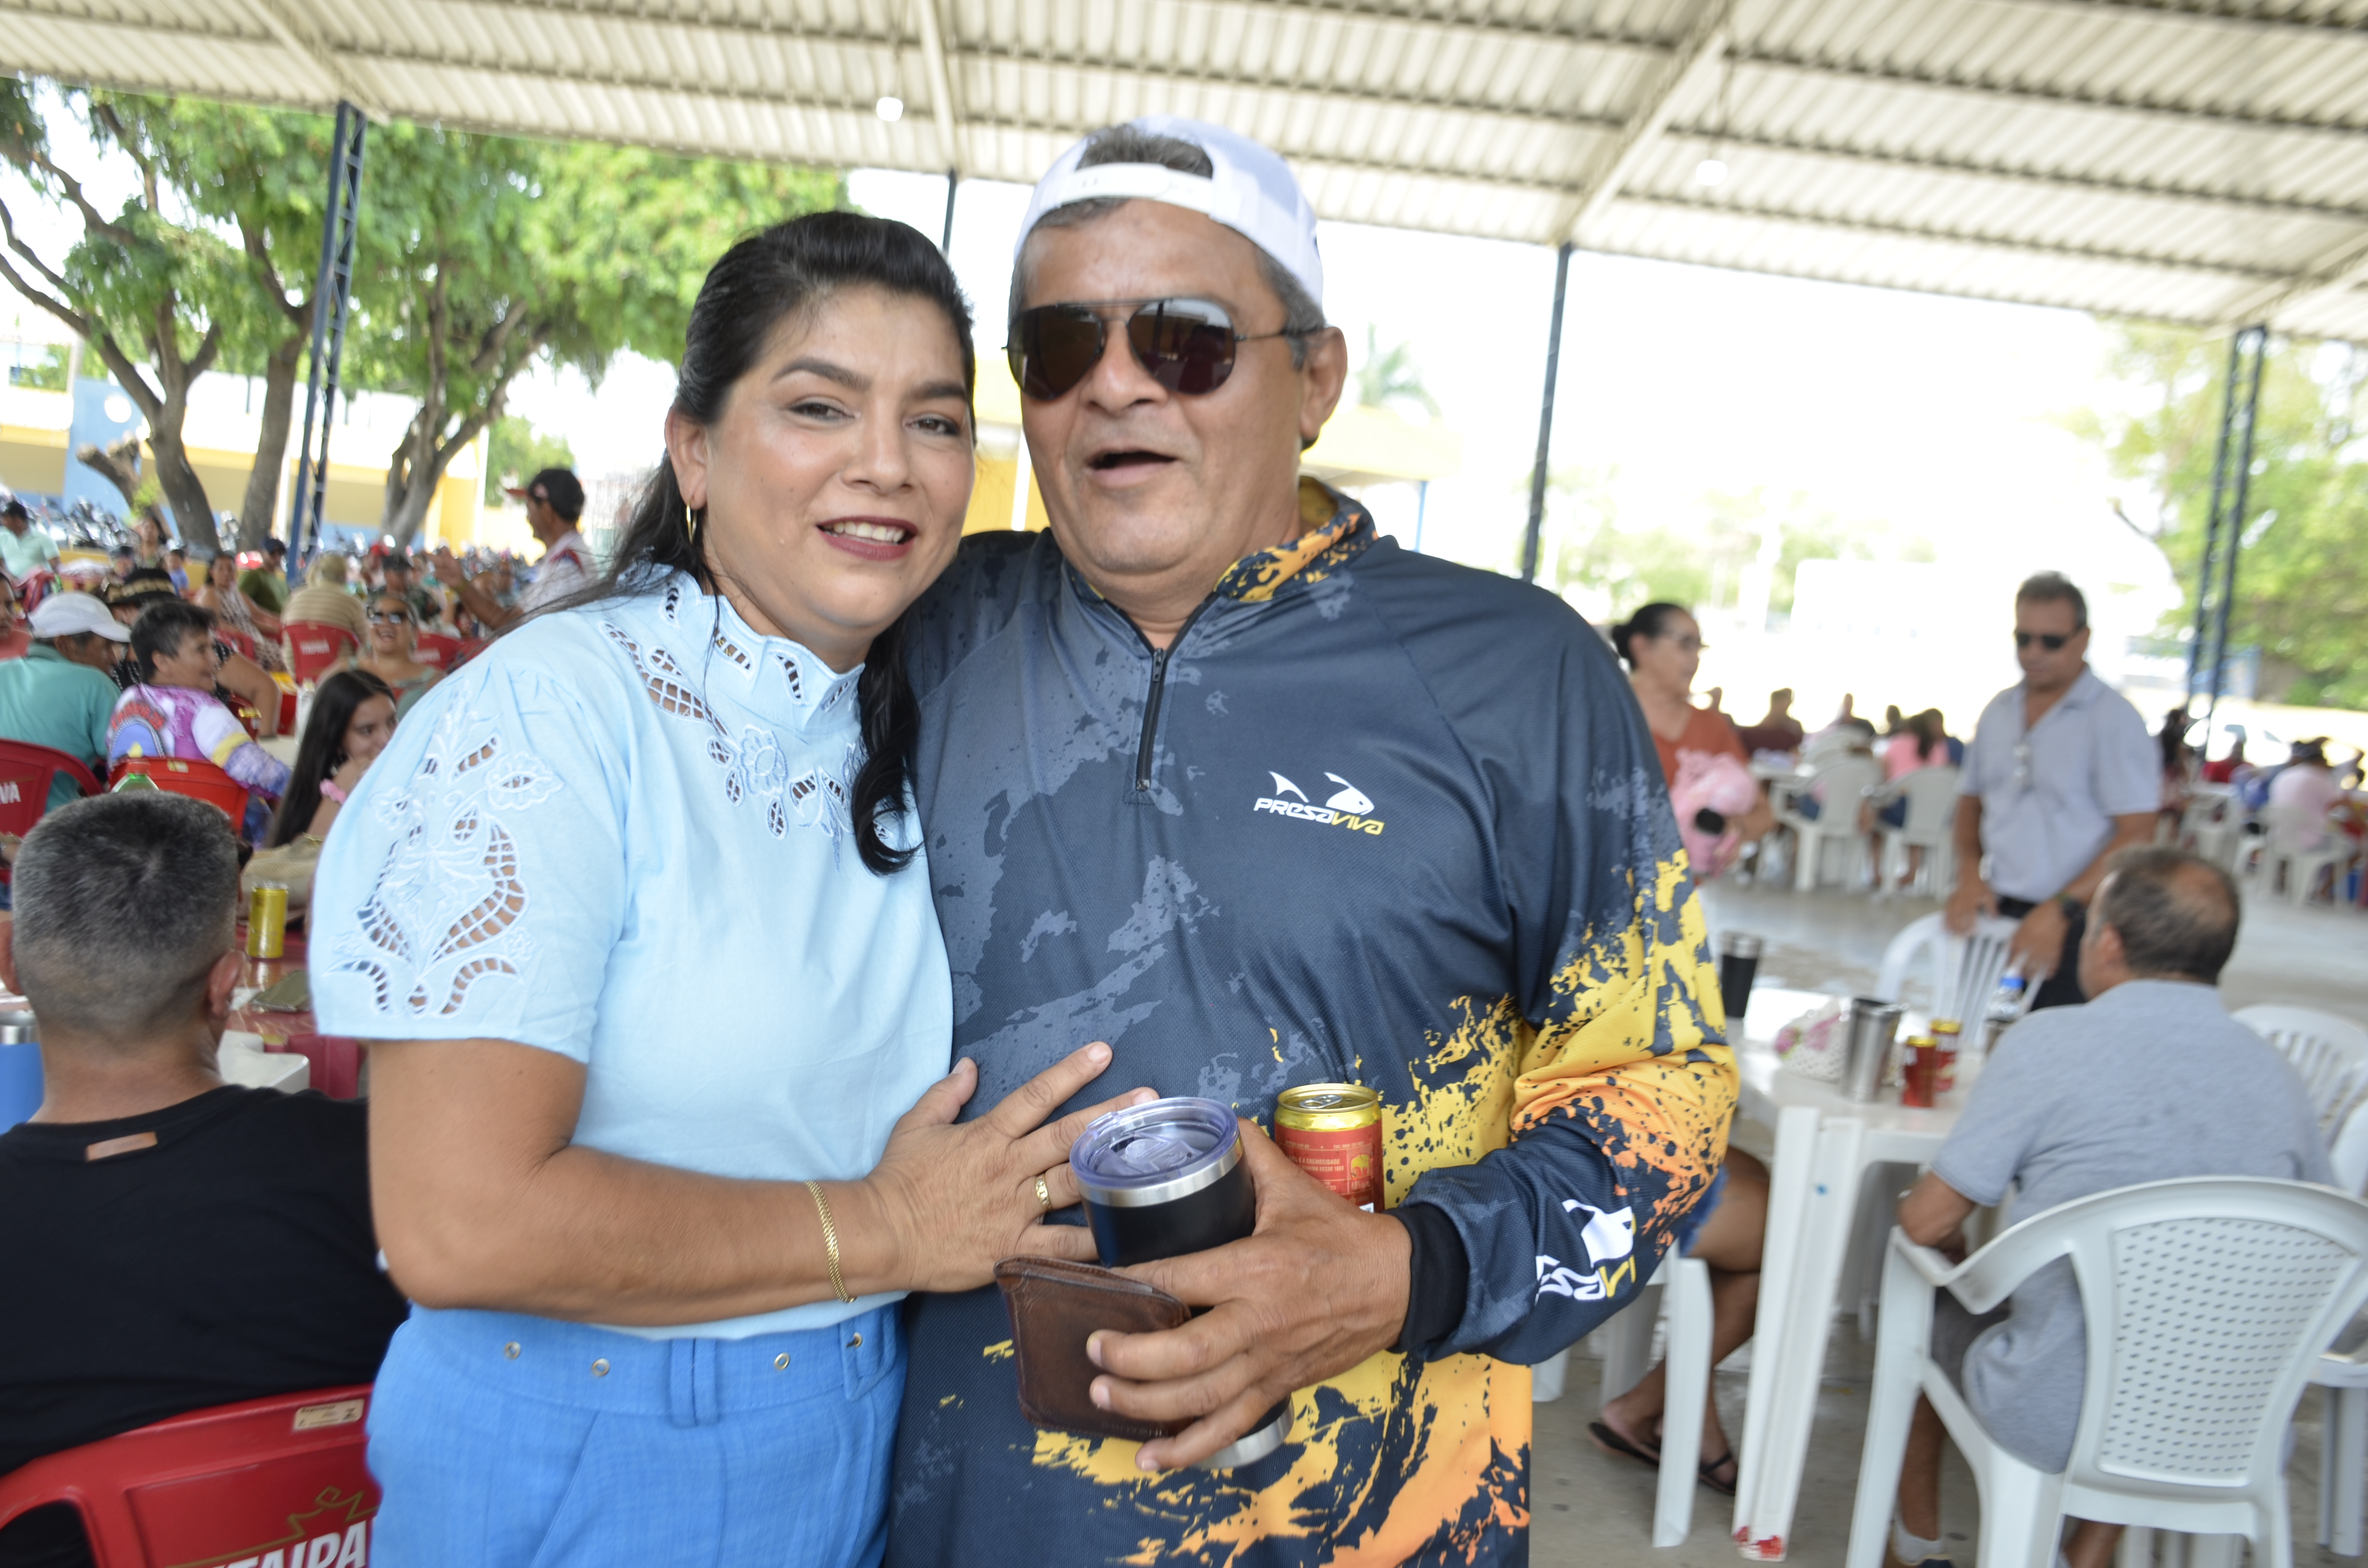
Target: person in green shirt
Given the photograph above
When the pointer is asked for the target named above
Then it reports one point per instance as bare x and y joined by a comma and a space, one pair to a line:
24, 549
268, 584
61, 695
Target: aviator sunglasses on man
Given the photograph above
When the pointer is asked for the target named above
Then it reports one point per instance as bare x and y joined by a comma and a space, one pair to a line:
2052, 640
1187, 346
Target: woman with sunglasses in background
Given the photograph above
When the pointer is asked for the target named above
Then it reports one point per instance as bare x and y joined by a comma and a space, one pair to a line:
390, 652
637, 918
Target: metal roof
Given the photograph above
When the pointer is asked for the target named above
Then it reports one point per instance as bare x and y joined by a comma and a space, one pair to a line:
2198, 161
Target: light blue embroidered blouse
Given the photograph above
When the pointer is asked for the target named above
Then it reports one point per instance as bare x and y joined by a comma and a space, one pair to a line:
622, 834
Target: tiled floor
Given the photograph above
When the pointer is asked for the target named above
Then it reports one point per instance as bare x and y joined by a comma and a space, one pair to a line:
1594, 1509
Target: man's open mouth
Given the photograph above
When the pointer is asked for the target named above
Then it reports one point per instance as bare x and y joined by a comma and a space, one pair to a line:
1131, 458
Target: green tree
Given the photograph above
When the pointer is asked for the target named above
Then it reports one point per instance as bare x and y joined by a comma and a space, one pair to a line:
154, 298
2302, 572
1390, 376
517, 449
45, 373
487, 255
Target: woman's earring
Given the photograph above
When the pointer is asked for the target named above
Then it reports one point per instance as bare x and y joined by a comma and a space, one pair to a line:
690, 525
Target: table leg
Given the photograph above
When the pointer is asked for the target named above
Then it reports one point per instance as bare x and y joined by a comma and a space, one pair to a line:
1785, 1405
1789, 1181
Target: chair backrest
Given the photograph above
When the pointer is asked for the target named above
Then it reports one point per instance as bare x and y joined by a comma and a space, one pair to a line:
2330, 1053
2208, 1301
1841, 780
231, 1484
336, 1060
27, 772
1962, 971
2290, 829
314, 647
440, 648
237, 641
193, 776
1931, 797
2347, 1146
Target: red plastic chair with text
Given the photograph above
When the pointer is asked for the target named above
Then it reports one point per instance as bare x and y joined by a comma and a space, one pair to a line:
26, 771
193, 776
439, 648
277, 1479
315, 648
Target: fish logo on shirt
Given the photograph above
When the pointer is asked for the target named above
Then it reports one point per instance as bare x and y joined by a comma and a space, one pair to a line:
1610, 1238
1349, 807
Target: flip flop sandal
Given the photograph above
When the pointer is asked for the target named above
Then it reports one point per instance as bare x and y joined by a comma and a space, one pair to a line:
1611, 1442
1707, 1474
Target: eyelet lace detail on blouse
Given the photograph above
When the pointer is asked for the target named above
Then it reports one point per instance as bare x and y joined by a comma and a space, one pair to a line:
444, 912
753, 762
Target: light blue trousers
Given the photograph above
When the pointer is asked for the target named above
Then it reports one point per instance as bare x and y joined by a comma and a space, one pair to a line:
509, 1441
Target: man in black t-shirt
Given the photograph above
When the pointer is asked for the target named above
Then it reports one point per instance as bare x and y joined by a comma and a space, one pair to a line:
173, 1241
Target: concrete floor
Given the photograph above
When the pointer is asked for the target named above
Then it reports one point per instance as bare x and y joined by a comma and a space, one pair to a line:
1596, 1509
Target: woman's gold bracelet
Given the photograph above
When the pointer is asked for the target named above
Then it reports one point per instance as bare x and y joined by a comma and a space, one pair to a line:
829, 1239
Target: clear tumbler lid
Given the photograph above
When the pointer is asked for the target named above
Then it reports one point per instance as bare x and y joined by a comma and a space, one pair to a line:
1155, 1153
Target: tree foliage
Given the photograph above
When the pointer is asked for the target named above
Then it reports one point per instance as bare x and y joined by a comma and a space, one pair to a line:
1390, 376
2301, 574
154, 299
484, 254
516, 451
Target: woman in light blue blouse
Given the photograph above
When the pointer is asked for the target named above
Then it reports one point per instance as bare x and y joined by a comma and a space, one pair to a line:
634, 911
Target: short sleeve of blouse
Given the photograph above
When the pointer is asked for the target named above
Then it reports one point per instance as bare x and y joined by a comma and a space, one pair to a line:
474, 886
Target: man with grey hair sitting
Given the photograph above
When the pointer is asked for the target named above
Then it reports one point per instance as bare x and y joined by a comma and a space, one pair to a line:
2150, 1080
173, 1241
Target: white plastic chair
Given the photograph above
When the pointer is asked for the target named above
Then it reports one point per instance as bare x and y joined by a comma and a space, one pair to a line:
2329, 1054
1627, 1341
2297, 840
1963, 972
2212, 825
1840, 782
2208, 1301
1931, 797
2342, 1371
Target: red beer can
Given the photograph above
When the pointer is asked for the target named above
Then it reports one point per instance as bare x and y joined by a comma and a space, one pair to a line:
1333, 1132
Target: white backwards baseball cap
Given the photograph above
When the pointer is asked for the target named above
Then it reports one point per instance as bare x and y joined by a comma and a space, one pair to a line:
1252, 192
63, 615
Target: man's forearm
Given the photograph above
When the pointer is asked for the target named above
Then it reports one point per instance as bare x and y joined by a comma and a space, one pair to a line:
488, 610
1967, 834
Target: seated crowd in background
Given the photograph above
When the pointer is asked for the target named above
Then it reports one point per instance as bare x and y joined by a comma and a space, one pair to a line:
174, 1241
172, 710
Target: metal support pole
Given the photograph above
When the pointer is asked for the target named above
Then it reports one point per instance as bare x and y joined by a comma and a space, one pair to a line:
953, 183
333, 292
2223, 523
2259, 334
1530, 541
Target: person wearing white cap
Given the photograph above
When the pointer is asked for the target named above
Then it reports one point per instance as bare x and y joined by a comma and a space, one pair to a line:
61, 693
1212, 772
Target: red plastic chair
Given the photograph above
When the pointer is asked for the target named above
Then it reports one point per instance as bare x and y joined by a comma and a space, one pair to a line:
193, 776
439, 648
315, 647
27, 772
238, 642
268, 1479
337, 1061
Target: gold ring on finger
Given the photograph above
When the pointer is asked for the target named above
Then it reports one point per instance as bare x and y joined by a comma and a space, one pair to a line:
1044, 1195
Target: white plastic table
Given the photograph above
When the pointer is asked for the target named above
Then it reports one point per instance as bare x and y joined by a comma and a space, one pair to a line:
242, 1060
1824, 1140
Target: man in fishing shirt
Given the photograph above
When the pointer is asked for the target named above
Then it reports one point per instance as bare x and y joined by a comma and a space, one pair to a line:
1213, 772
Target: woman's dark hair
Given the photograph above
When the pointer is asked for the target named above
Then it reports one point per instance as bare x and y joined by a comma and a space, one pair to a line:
161, 629
1653, 620
322, 751
1931, 732
789, 270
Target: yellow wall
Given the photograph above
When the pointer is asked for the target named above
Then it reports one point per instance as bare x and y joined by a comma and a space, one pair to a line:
35, 460
990, 497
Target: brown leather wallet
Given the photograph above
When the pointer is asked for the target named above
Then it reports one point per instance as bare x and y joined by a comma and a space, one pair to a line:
1056, 1306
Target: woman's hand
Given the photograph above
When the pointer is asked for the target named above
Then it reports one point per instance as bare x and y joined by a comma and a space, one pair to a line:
955, 1199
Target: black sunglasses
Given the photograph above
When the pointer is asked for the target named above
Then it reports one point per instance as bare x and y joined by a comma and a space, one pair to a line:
1187, 346
2052, 640
392, 617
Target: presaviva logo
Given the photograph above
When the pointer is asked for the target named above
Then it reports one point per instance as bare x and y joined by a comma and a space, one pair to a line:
1350, 807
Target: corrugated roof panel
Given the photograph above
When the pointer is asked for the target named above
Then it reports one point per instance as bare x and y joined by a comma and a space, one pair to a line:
2089, 156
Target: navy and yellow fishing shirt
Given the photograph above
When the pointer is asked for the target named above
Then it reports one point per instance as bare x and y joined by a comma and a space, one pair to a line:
1371, 818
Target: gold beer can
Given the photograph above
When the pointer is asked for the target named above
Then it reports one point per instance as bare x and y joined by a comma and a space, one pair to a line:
1333, 1132
267, 921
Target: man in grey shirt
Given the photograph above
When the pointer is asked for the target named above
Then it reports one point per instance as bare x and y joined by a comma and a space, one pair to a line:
2061, 774
2150, 1082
